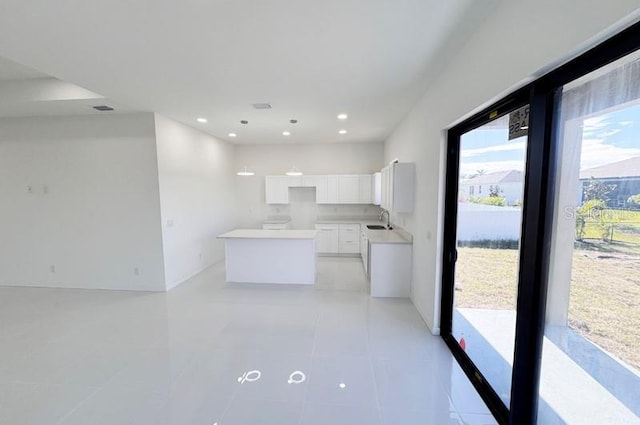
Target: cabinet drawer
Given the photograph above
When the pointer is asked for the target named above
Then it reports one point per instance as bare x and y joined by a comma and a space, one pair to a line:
350, 247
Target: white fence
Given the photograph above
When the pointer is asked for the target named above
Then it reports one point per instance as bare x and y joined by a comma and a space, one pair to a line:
487, 222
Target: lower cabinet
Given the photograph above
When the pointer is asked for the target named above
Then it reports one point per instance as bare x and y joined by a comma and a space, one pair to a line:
338, 238
327, 239
349, 238
390, 271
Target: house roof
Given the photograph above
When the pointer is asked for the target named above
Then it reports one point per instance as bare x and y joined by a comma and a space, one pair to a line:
626, 168
510, 176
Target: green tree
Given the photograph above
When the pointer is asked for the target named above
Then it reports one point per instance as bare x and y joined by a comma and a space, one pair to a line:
634, 201
495, 191
598, 190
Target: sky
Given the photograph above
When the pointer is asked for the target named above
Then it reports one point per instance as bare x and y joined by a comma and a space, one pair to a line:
606, 138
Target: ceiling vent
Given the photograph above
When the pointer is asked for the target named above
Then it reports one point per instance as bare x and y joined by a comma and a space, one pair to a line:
103, 108
262, 105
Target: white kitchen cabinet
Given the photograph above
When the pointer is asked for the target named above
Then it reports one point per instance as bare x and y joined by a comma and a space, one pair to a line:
376, 196
366, 189
349, 189
327, 189
294, 181
349, 238
277, 189
390, 271
327, 238
308, 181
397, 187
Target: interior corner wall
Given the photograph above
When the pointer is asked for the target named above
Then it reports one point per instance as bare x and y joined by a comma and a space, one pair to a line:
79, 204
516, 42
197, 198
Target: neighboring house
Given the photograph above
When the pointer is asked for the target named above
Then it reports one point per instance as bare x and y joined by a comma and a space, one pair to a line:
510, 184
624, 175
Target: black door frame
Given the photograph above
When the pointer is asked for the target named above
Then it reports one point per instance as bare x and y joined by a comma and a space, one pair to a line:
543, 96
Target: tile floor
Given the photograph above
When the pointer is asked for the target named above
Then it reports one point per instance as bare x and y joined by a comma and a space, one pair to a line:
211, 353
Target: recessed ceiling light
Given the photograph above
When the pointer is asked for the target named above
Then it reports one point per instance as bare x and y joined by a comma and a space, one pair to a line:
232, 134
201, 120
286, 133
342, 131
293, 121
245, 122
343, 116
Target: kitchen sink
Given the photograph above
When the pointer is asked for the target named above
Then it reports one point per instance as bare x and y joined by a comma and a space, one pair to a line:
376, 227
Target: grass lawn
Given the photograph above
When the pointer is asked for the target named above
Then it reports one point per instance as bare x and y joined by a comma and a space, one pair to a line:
604, 296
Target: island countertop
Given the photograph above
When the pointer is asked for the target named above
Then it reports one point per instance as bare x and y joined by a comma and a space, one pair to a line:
269, 234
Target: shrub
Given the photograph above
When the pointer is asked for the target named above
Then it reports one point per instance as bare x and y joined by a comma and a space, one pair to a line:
497, 201
491, 244
634, 201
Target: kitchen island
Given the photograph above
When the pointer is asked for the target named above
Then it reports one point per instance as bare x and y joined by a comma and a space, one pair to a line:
270, 256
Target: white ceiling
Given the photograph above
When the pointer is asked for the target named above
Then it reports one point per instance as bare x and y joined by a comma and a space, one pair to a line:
213, 58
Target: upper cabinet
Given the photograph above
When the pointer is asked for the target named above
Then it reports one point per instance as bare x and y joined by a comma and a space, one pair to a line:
366, 189
397, 187
376, 196
349, 189
330, 189
277, 189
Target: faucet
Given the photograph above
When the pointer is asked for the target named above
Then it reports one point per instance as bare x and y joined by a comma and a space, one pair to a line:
383, 212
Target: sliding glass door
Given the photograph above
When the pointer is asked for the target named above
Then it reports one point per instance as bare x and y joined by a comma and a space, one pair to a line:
541, 247
489, 217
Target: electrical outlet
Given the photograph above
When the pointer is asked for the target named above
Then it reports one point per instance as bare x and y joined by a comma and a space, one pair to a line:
136, 271
52, 268
30, 189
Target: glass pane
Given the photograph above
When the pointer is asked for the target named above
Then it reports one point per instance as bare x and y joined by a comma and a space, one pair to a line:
492, 165
591, 355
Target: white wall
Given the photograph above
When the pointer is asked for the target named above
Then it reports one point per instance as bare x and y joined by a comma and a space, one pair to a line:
197, 196
79, 205
487, 222
515, 42
330, 158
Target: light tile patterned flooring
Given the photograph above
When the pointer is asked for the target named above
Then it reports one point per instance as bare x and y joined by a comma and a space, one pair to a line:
82, 357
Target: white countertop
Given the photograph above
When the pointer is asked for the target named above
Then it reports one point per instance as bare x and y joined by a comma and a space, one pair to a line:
385, 236
269, 234
374, 236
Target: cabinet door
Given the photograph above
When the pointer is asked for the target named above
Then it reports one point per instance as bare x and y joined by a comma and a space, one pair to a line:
349, 189
321, 190
327, 238
402, 187
294, 181
366, 189
385, 188
276, 190
376, 194
332, 190
308, 181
